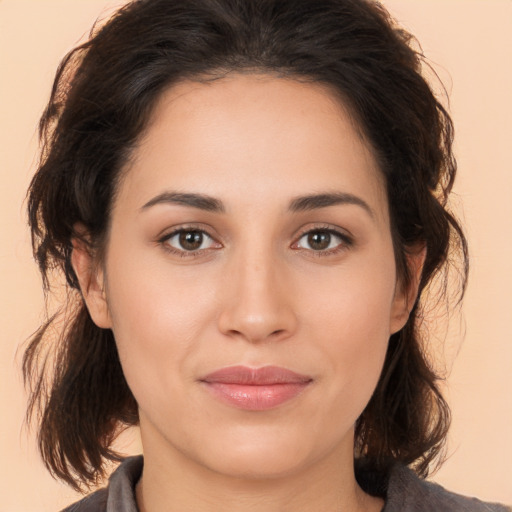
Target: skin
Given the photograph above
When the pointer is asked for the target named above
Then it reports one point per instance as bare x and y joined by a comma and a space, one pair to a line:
257, 293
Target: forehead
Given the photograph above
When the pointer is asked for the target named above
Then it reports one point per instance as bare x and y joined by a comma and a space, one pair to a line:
252, 133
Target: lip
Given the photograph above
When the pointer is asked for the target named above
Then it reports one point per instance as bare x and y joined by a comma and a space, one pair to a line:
255, 389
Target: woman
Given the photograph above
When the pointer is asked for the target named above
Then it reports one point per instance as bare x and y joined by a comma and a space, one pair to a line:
247, 199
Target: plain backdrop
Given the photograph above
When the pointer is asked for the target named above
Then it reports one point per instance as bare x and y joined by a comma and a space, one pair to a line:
469, 43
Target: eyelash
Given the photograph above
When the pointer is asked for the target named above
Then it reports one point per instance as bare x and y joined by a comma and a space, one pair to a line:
346, 242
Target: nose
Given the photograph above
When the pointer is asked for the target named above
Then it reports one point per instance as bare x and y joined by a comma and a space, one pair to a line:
258, 305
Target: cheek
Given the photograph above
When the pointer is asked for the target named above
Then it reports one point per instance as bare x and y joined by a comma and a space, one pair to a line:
149, 298
351, 319
158, 320
356, 335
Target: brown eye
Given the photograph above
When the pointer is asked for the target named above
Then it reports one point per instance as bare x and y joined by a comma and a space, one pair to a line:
191, 240
319, 240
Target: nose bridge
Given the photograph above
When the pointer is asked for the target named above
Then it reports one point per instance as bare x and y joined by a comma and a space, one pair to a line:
259, 306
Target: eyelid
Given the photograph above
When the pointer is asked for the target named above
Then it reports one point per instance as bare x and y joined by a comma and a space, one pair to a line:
331, 228
187, 226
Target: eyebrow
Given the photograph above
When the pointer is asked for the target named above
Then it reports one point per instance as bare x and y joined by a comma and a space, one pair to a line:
298, 204
199, 201
323, 200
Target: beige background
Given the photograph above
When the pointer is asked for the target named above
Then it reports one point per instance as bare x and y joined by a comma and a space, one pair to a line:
470, 43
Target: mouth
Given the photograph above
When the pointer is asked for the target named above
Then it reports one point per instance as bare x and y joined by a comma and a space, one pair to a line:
255, 389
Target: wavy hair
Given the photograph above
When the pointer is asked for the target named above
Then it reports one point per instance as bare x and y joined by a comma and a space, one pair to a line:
101, 101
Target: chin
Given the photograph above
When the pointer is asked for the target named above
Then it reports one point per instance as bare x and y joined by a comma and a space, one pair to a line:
261, 455
257, 463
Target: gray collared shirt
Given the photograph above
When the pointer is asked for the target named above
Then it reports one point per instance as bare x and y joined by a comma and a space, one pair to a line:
403, 492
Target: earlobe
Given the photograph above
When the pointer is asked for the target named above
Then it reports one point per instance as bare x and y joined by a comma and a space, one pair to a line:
91, 280
405, 296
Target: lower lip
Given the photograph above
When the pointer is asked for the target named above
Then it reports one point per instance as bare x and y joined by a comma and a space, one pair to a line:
256, 397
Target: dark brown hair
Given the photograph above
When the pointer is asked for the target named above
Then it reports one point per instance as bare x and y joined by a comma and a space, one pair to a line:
102, 98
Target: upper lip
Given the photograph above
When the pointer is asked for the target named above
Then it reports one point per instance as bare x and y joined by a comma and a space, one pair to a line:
266, 375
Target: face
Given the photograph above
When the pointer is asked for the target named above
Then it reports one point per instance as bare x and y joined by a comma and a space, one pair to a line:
249, 276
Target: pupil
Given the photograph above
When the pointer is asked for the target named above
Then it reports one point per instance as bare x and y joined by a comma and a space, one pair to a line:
319, 240
191, 240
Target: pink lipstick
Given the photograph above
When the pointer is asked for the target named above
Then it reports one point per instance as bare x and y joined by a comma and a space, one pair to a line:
255, 389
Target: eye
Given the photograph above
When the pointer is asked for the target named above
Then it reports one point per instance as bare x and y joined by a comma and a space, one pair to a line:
322, 240
189, 240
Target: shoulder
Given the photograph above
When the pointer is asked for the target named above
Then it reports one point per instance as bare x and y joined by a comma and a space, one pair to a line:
408, 493
95, 502
119, 495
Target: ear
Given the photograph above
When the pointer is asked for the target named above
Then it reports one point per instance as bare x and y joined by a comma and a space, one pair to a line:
405, 296
91, 279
